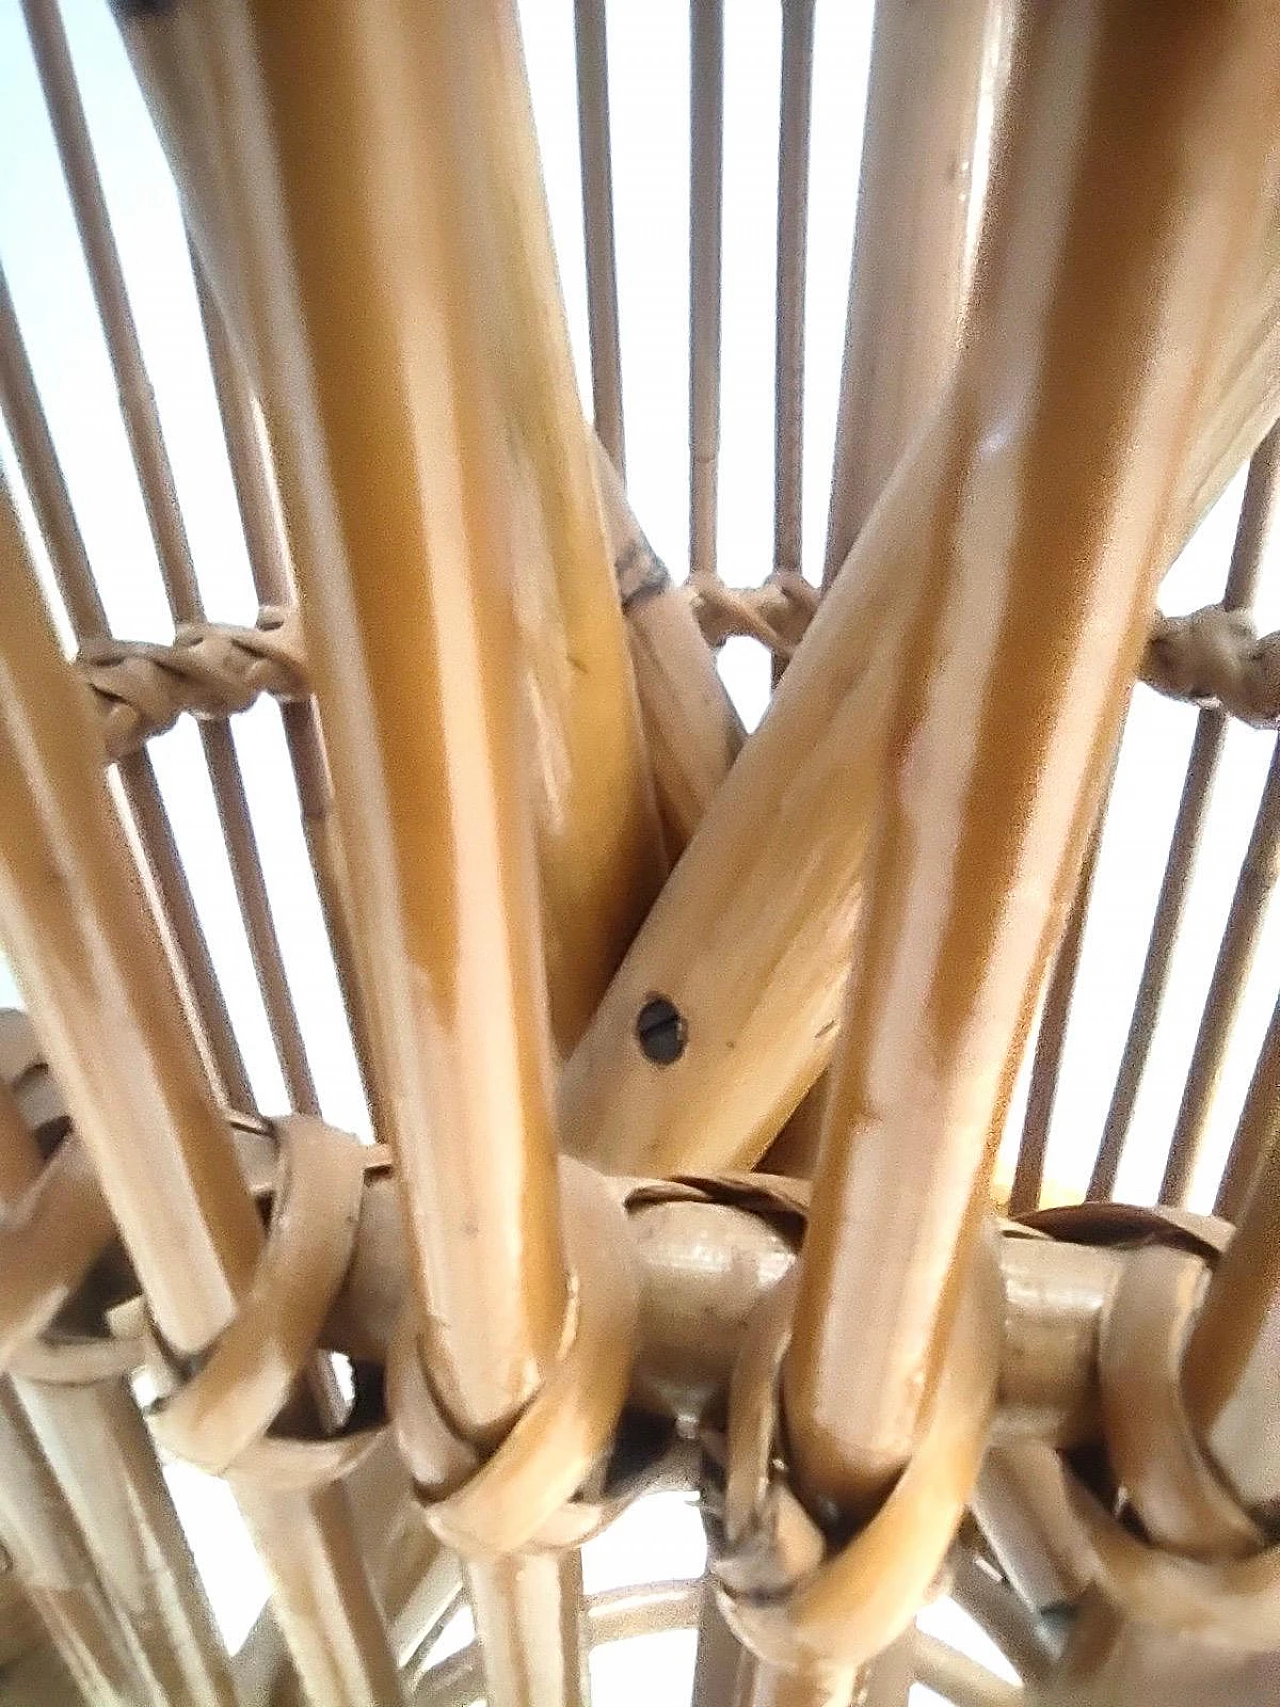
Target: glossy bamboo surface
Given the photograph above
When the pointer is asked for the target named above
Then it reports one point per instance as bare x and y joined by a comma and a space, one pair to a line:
934, 73
706, 195
996, 761
793, 216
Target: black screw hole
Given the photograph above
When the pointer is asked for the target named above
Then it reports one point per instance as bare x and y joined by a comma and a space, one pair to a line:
661, 1031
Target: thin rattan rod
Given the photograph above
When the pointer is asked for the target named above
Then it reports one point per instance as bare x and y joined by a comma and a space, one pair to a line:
42, 472
717, 1659
596, 154
1259, 873
1046, 1064
706, 197
160, 498
1206, 750
793, 216
1257, 1129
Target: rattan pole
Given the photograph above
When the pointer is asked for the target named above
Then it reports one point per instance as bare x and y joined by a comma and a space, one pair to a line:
692, 729
1259, 873
41, 1535
1028, 1174
1206, 749
155, 476
760, 999
268, 560
930, 70
718, 1659
595, 149
1004, 753
706, 195
42, 473
391, 130
793, 220
1005, 1617
1231, 1366
103, 1000
1257, 1128
95, 1440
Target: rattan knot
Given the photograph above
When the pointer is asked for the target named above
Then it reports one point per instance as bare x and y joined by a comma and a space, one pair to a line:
1215, 657
793, 1598
211, 670
527, 1494
776, 614
221, 1414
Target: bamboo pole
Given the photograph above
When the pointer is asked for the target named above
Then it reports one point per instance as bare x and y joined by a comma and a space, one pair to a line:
98, 1445
1046, 1063
793, 218
595, 150
1229, 1368
760, 999
146, 440
933, 72
692, 731
1256, 515
48, 1549
103, 1000
1256, 1130
272, 579
983, 830
1259, 873
706, 192
428, 762
38, 459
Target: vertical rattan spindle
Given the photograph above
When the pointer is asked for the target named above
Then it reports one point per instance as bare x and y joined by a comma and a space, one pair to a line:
38, 459
706, 197
595, 150
142, 423
1256, 515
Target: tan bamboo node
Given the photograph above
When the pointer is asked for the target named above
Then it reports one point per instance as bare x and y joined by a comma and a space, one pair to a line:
526, 1495
790, 1597
212, 670
1216, 657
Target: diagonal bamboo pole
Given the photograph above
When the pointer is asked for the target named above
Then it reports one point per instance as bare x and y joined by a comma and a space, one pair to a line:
146, 439
935, 79
1094, 239
771, 917
102, 997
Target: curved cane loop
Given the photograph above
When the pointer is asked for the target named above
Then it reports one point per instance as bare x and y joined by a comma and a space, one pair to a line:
1123, 1224
229, 1404
781, 1201
526, 1496
1216, 657
797, 1605
48, 1244
1206, 1569
211, 670
1157, 1460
